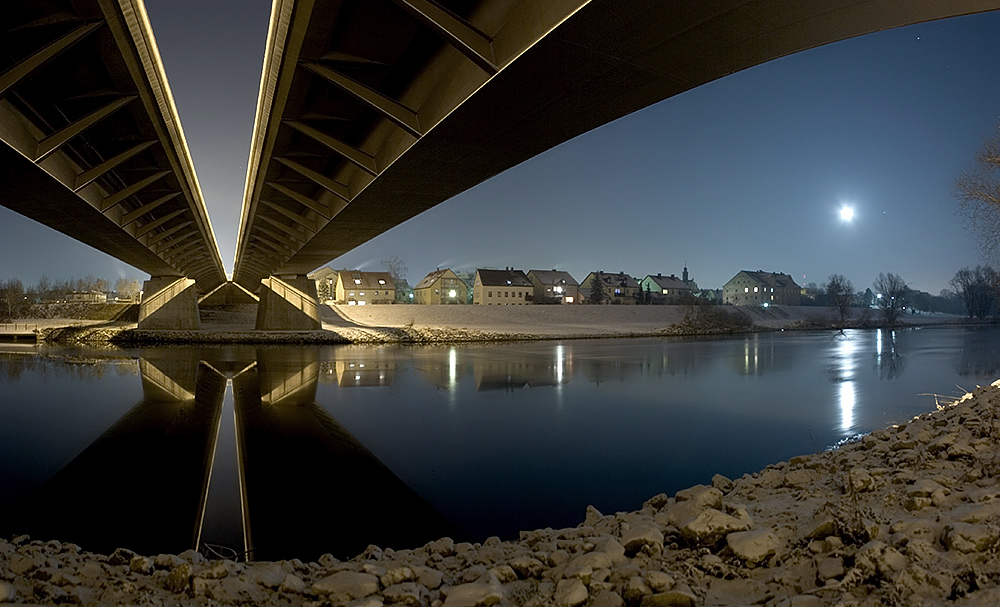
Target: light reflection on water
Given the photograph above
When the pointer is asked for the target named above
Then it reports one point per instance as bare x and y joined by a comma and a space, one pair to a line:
282, 452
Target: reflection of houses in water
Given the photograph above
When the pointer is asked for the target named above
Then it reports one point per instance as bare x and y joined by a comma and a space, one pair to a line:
441, 367
757, 355
517, 370
357, 367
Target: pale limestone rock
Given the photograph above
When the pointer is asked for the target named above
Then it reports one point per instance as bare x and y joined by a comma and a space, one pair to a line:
369, 601
430, 578
606, 598
830, 567
527, 567
859, 480
293, 583
711, 526
969, 537
570, 592
444, 546
179, 578
397, 575
594, 560
753, 547
346, 585
268, 575
722, 483
21, 564
671, 598
659, 581
141, 564
167, 561
7, 592
409, 594
192, 556
638, 537
800, 479
474, 594
611, 547
504, 574
121, 556
925, 487
701, 496
636, 589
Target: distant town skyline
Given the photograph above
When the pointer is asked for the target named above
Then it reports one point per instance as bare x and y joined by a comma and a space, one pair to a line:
748, 172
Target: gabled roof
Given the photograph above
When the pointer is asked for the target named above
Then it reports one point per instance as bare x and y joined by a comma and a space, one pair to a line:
432, 277
554, 277
503, 278
617, 280
368, 280
668, 282
323, 274
771, 279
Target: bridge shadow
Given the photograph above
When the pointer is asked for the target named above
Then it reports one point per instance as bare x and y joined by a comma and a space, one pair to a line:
306, 486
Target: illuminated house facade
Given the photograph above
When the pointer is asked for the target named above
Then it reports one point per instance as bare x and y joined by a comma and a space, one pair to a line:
618, 288
554, 286
508, 287
440, 287
759, 288
665, 288
356, 288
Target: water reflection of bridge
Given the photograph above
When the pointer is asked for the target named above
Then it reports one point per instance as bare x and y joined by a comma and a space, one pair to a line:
306, 485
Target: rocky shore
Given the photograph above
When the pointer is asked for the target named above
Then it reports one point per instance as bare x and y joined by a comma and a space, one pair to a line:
908, 516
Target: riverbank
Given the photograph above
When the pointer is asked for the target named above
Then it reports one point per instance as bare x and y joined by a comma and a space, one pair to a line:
909, 515
414, 324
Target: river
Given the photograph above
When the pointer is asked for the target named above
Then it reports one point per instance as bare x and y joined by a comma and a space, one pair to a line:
281, 452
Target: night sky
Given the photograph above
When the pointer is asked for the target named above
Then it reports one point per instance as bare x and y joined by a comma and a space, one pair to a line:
748, 172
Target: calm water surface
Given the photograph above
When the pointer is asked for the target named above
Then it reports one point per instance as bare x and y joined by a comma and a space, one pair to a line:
277, 452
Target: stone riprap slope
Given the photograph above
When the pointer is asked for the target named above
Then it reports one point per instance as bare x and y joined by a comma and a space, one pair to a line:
906, 516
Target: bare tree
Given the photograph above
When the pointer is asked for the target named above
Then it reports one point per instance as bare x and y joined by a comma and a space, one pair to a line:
840, 294
127, 288
978, 193
978, 289
890, 290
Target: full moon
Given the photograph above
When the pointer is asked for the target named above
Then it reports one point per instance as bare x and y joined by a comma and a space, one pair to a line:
846, 213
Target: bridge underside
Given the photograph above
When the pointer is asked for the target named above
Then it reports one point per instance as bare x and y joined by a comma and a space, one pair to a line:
372, 112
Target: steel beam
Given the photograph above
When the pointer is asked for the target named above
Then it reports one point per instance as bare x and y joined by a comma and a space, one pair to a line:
302, 221
120, 196
39, 58
131, 216
61, 137
390, 108
354, 155
87, 177
155, 238
330, 185
471, 42
152, 225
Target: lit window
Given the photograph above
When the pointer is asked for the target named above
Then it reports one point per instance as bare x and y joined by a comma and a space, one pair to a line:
508, 282
362, 294
746, 289
357, 281
352, 293
452, 293
755, 289
381, 282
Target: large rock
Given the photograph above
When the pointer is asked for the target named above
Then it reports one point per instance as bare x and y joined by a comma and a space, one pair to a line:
640, 536
709, 527
570, 593
753, 547
346, 585
486, 591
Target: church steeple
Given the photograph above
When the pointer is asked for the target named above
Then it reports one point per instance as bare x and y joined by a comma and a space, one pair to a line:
684, 276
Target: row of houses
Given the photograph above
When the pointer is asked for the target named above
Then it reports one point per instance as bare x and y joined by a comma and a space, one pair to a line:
511, 286
508, 286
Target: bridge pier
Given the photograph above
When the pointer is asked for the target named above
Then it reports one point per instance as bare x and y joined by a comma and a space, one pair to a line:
169, 303
288, 304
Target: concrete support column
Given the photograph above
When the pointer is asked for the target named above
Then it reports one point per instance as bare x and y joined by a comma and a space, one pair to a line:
288, 304
169, 303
